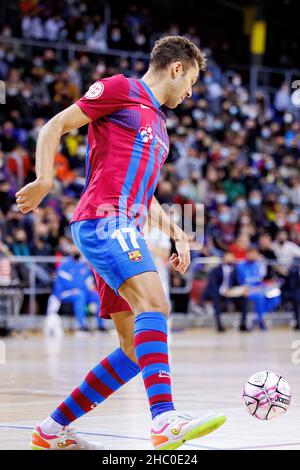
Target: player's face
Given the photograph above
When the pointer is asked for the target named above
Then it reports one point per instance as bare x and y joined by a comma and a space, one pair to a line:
181, 82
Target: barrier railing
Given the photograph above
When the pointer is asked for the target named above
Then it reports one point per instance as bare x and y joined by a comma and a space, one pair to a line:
69, 47
16, 291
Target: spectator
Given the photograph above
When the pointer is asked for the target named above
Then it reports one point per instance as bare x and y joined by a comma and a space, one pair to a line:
74, 284
285, 250
239, 247
251, 274
222, 288
266, 250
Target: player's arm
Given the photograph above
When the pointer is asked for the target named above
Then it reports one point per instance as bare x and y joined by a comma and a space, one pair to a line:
159, 218
31, 195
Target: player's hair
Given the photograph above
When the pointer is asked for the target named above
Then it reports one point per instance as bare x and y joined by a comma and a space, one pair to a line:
176, 48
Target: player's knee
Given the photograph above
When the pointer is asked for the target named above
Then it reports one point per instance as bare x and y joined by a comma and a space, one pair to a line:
155, 305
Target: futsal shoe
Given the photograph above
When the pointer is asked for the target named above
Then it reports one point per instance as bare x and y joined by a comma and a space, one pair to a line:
67, 439
180, 428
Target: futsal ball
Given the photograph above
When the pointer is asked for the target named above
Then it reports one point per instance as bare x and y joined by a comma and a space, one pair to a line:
266, 395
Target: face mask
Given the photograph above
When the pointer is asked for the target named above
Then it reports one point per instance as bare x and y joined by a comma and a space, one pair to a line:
10, 57
233, 110
288, 118
218, 125
255, 201
81, 151
265, 133
224, 152
221, 199
197, 114
269, 165
292, 219
12, 91
283, 200
241, 204
235, 126
101, 68
184, 191
38, 62
116, 36
140, 40
236, 81
27, 94
225, 217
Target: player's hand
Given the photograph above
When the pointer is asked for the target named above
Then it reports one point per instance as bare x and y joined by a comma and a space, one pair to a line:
29, 197
182, 259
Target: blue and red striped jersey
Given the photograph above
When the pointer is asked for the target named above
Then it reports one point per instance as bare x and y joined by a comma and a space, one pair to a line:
127, 146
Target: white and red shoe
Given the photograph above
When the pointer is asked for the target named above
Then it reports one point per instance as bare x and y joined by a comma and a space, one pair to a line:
67, 439
180, 428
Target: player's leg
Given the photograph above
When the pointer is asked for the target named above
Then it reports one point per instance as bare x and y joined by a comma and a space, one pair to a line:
144, 293
79, 303
105, 378
124, 323
259, 302
93, 298
119, 254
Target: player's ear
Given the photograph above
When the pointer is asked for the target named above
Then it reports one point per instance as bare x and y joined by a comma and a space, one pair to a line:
176, 68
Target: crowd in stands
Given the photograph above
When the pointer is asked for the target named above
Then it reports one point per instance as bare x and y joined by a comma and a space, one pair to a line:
241, 159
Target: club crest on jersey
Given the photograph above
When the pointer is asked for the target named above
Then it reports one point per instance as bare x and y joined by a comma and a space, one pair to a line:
95, 91
146, 133
135, 255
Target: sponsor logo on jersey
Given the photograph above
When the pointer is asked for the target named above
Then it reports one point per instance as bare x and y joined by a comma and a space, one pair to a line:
135, 255
146, 133
95, 91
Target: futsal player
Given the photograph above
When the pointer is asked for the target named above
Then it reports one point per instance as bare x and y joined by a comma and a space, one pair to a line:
127, 146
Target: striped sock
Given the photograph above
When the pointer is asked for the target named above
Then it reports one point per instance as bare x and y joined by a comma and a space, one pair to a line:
151, 348
107, 377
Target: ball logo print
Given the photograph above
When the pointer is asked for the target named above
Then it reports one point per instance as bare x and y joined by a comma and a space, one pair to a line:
95, 91
266, 395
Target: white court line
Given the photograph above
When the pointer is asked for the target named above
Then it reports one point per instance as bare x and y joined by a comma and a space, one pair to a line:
23, 403
116, 436
135, 438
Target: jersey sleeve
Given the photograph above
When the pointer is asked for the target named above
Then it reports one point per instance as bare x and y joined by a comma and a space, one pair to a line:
105, 97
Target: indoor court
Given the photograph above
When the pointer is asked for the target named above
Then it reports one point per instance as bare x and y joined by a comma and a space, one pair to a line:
218, 367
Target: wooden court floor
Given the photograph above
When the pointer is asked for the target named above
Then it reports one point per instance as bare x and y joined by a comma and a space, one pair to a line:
209, 371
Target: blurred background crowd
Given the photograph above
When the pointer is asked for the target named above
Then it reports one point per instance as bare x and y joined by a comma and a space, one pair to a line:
238, 157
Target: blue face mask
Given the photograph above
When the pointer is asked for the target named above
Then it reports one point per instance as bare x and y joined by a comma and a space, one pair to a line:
265, 133
221, 199
284, 200
241, 204
225, 217
255, 201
